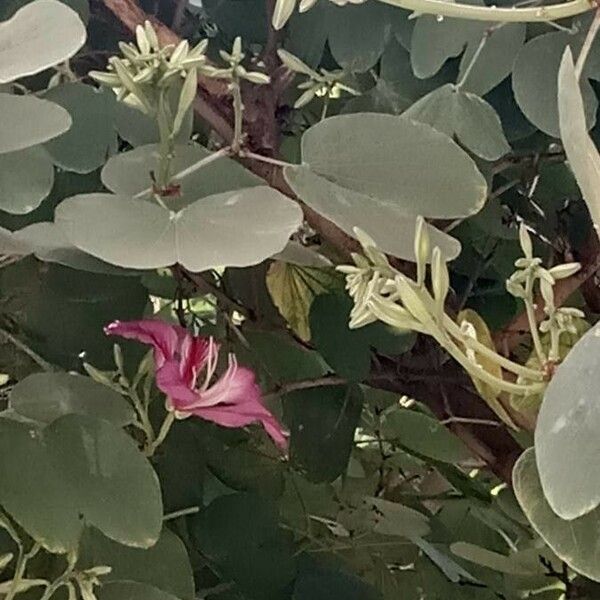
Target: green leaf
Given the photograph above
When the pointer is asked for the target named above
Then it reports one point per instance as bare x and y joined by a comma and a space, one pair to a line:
165, 565
346, 350
306, 34
137, 234
240, 534
465, 116
399, 151
139, 129
282, 357
45, 397
574, 541
61, 311
129, 590
581, 152
535, 82
358, 34
512, 565
434, 41
40, 35
496, 59
92, 136
318, 583
78, 467
129, 173
27, 121
385, 222
48, 242
566, 440
26, 178
322, 422
294, 288
395, 519
424, 435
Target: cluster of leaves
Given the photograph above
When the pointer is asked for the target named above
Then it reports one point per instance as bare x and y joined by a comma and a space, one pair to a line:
132, 199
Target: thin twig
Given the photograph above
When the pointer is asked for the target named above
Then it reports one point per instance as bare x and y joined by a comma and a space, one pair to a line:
23, 347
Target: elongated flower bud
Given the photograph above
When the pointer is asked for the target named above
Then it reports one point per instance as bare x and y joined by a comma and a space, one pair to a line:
422, 248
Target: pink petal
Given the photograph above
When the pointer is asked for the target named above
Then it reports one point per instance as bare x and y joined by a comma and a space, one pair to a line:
170, 381
163, 337
231, 416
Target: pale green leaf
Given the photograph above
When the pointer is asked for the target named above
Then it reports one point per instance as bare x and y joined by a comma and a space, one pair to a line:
576, 541
26, 178
39, 35
581, 152
45, 397
465, 116
131, 590
128, 173
395, 519
385, 157
78, 467
92, 136
386, 222
535, 82
566, 439
225, 229
494, 560
27, 121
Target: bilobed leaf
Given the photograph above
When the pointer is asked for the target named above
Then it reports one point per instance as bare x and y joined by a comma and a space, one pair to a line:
465, 116
574, 541
240, 534
131, 590
226, 229
45, 397
348, 351
384, 157
26, 178
535, 82
293, 289
47, 242
165, 566
27, 121
78, 467
40, 35
486, 391
139, 129
358, 34
129, 174
581, 152
300, 255
395, 519
495, 61
322, 422
494, 560
385, 222
424, 435
566, 440
92, 136
434, 41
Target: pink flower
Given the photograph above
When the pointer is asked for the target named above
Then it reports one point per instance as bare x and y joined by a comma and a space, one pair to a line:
185, 372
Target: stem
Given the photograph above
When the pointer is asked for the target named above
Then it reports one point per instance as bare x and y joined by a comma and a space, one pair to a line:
144, 420
238, 114
22, 561
162, 433
57, 583
166, 146
325, 107
489, 13
476, 54
192, 510
188, 171
530, 311
480, 373
454, 330
587, 44
266, 159
23, 347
